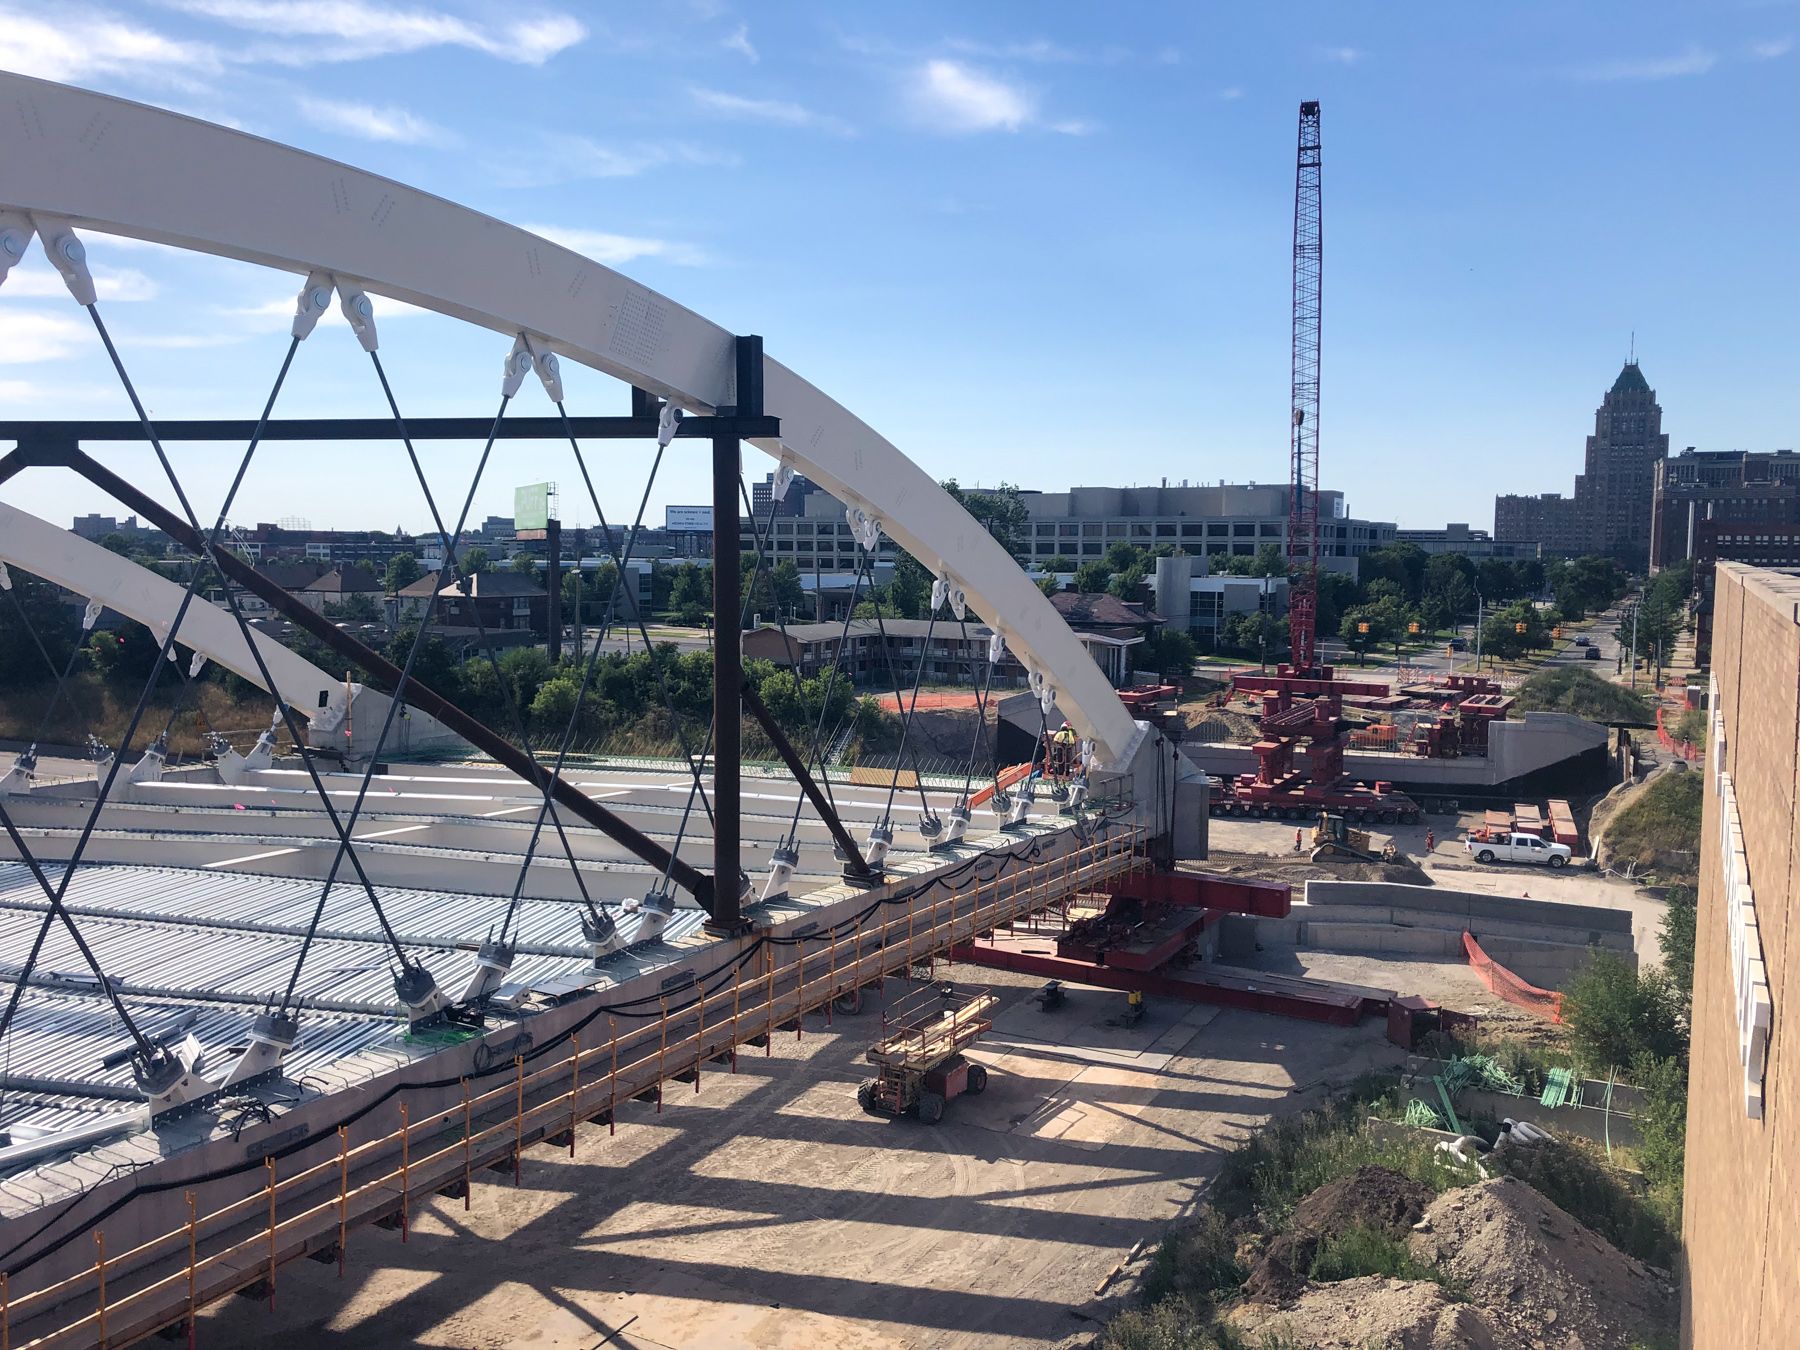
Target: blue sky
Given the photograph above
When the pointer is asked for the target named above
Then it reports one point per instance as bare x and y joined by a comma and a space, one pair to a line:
1046, 244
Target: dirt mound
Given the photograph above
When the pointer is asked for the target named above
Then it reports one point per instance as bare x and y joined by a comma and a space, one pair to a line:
1540, 1273
1374, 1311
1370, 1197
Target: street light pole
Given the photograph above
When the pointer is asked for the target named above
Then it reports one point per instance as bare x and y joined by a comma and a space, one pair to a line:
1634, 635
1262, 624
1478, 627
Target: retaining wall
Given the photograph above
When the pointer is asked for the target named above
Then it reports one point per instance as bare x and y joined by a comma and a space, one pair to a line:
1541, 941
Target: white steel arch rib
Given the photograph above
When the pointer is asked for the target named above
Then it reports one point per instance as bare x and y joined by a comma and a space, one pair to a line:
124, 168
36, 546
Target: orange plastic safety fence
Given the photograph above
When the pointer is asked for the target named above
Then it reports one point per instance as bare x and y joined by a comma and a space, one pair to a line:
1503, 983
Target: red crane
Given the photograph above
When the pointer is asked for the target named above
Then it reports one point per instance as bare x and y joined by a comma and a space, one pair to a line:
1303, 506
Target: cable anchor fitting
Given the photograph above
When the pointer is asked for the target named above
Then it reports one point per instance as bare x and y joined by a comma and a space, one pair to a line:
68, 255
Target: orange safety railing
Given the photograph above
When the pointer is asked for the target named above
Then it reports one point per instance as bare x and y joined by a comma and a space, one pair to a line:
164, 1280
1503, 983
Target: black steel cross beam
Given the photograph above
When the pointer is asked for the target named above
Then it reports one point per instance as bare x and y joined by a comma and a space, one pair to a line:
639, 427
61, 452
858, 865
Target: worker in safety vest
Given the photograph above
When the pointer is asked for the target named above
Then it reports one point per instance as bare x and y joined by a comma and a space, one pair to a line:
1062, 752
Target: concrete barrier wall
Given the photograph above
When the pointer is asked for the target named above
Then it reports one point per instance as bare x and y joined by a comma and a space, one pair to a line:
1485, 929
1472, 908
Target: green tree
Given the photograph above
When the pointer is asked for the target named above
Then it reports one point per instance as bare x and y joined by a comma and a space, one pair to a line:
1130, 584
1170, 652
1060, 563
690, 592
1048, 584
476, 561
1000, 510
1661, 1118
436, 667
909, 593
44, 614
1676, 938
1615, 1013
1122, 555
402, 570
125, 657
116, 543
523, 563
553, 705
1270, 561
526, 669
355, 607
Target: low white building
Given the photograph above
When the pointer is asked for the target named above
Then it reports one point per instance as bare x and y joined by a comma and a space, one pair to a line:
1190, 597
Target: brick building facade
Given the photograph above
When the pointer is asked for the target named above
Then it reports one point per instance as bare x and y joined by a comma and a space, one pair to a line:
1741, 1219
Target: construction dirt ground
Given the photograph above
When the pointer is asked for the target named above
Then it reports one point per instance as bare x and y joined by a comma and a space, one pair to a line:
767, 1210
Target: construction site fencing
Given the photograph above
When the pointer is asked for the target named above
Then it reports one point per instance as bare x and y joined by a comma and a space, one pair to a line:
1504, 984
1685, 749
298, 1210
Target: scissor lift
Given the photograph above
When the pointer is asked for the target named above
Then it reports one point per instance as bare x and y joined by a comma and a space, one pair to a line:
921, 1059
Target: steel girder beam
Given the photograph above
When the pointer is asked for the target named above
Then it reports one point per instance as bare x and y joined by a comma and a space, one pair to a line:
476, 733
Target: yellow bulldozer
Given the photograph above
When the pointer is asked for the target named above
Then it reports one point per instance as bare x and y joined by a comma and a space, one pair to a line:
1333, 838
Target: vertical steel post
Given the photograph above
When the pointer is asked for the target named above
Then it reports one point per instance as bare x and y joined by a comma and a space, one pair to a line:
193, 1292
728, 662
553, 585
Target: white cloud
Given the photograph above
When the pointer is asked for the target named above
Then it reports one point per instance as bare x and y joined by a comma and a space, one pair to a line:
27, 336
36, 279
739, 42
1343, 56
1075, 126
371, 123
358, 29
1771, 48
84, 45
564, 158
617, 249
1231, 92
959, 99
778, 111
1693, 61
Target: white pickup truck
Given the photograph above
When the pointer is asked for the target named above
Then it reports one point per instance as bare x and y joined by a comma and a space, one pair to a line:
1525, 848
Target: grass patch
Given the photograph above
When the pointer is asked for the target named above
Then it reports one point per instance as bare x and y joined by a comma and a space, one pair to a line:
1361, 1250
1196, 1263
1292, 1158
1659, 828
1570, 689
1172, 1325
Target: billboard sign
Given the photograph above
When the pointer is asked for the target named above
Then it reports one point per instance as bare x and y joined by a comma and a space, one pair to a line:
531, 507
695, 519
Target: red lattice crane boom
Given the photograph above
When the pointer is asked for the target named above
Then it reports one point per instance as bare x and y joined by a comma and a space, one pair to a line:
1303, 506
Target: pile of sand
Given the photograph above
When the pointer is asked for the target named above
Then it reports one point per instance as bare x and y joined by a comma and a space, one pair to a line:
1547, 1278
1375, 1311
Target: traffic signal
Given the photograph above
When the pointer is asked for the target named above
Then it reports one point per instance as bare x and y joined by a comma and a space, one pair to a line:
1362, 627
1412, 627
1556, 632
1519, 628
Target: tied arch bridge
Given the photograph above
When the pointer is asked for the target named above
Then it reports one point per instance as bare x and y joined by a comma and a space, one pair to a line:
246, 1020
